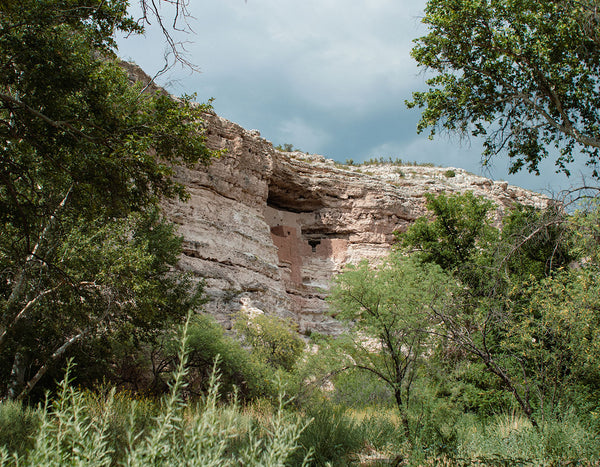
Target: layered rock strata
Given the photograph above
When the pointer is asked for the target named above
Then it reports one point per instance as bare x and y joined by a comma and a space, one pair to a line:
267, 230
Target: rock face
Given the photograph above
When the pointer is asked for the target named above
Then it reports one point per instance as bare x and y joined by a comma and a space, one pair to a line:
267, 229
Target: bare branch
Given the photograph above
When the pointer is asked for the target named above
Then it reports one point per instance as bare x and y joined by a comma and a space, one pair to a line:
151, 11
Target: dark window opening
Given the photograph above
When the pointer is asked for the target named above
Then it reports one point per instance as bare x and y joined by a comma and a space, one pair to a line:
313, 244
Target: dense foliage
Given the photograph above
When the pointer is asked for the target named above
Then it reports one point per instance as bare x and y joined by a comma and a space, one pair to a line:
507, 304
80, 429
85, 156
521, 74
274, 341
251, 368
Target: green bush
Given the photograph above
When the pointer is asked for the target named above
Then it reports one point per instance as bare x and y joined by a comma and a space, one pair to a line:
360, 389
450, 173
273, 340
72, 431
510, 438
465, 386
381, 430
286, 147
240, 371
433, 420
331, 437
18, 425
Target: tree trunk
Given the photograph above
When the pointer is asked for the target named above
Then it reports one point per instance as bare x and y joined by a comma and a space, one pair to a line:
525, 406
403, 414
17, 376
44, 368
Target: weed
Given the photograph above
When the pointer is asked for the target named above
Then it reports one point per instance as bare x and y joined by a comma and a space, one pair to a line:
73, 432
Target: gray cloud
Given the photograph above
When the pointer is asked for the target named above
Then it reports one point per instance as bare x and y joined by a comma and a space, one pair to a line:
327, 76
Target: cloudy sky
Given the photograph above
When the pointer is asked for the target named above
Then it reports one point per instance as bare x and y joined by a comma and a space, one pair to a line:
328, 76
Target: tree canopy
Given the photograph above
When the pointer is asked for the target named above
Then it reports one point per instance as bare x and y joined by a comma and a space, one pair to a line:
388, 308
85, 157
499, 314
523, 75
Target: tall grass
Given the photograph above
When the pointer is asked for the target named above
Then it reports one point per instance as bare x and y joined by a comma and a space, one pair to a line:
106, 428
511, 437
73, 432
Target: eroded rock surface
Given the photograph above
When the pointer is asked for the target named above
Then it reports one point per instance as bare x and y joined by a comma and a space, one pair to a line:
267, 230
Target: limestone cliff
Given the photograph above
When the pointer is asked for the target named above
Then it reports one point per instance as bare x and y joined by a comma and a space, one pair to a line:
268, 229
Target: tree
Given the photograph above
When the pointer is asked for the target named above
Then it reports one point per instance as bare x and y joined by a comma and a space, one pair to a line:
85, 157
455, 237
553, 334
523, 75
494, 307
389, 308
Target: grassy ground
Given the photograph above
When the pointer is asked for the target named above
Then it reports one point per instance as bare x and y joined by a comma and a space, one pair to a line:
82, 428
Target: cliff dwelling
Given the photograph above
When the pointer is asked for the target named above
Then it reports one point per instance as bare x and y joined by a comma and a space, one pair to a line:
308, 251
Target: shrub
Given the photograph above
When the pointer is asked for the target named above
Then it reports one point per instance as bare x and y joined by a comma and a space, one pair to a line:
433, 418
286, 147
381, 430
360, 389
330, 438
18, 425
450, 173
239, 370
72, 432
510, 438
274, 340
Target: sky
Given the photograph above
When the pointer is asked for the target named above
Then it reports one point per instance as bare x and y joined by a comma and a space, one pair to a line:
330, 77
